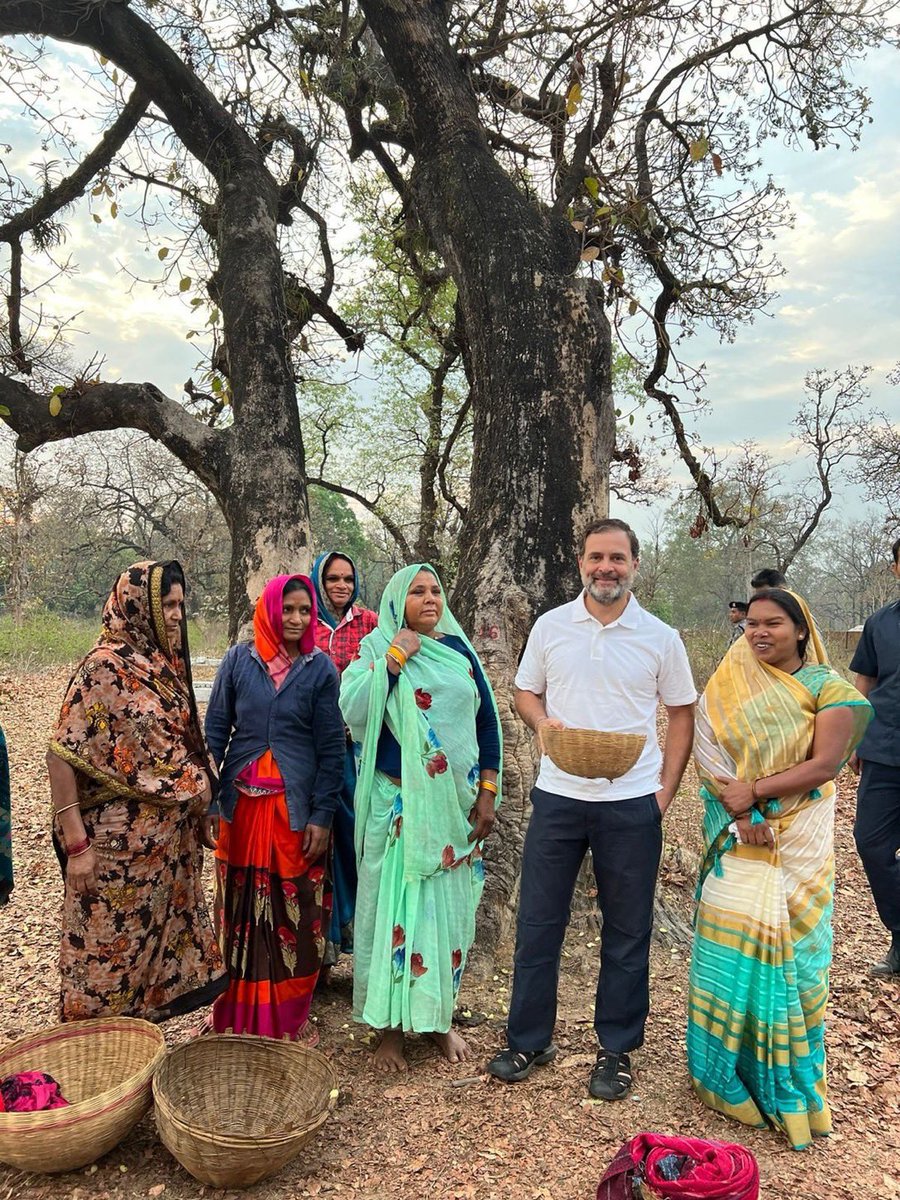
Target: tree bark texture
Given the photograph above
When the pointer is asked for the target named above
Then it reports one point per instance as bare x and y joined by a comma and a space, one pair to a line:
539, 358
256, 468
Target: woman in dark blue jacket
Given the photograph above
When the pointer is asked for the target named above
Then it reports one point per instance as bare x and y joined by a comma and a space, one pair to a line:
275, 731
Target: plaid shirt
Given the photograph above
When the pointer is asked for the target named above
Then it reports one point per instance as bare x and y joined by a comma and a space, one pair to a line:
342, 644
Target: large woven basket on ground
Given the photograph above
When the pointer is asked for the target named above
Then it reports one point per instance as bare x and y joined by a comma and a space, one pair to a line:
234, 1110
104, 1068
591, 753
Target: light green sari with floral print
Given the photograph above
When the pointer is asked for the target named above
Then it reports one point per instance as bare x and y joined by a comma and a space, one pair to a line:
420, 879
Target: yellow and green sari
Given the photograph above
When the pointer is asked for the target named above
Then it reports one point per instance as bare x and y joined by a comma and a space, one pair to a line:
762, 941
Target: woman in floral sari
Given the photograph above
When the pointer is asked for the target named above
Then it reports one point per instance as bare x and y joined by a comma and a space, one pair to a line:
129, 776
774, 727
423, 714
274, 726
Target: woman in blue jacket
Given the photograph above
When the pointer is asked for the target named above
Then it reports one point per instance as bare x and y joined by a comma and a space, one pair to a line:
275, 731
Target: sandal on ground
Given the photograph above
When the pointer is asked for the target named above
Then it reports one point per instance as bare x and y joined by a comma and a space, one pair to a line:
611, 1077
514, 1065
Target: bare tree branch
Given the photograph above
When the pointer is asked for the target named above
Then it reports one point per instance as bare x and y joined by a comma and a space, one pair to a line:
74, 185
374, 508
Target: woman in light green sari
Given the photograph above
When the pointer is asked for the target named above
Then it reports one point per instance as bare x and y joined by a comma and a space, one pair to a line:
428, 744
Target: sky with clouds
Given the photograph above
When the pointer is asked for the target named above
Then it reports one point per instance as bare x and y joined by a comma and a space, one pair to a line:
837, 303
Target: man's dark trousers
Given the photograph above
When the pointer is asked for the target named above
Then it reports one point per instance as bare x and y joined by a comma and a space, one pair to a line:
877, 833
625, 840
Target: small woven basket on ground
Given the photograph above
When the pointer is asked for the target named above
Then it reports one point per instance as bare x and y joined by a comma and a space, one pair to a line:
591, 753
103, 1067
235, 1109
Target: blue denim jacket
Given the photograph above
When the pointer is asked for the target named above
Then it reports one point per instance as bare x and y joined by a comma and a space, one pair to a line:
300, 723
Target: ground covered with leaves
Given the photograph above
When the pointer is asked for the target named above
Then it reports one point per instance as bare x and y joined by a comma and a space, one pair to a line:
442, 1131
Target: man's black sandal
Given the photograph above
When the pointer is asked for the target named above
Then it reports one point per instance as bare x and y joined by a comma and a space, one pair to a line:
512, 1066
611, 1076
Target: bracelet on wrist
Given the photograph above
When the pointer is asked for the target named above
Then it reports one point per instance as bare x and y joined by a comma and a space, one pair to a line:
397, 655
65, 808
489, 786
753, 792
79, 848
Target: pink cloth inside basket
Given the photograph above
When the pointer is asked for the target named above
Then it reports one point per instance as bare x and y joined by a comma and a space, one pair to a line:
30, 1091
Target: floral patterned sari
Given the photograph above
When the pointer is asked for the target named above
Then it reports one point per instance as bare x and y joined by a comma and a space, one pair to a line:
144, 945
420, 879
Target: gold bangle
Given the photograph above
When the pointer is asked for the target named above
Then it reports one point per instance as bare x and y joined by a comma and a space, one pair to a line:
78, 853
66, 807
397, 655
753, 792
489, 786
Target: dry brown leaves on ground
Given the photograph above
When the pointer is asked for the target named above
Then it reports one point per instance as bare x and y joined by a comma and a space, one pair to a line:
421, 1136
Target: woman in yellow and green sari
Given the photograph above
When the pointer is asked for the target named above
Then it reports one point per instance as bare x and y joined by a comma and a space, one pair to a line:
774, 727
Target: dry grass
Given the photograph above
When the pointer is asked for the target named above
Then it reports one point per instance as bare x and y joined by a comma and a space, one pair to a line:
421, 1136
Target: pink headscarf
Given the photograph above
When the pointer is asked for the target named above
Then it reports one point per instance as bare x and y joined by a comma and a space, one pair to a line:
269, 630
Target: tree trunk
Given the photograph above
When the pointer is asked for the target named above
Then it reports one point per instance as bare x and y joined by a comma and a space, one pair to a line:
544, 436
426, 540
264, 502
256, 468
539, 357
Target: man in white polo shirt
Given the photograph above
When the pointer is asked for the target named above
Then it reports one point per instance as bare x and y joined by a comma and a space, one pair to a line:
599, 662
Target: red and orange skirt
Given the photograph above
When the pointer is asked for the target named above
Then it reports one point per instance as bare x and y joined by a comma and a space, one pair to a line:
273, 909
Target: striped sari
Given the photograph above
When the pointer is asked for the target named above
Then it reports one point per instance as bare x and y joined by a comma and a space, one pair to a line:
762, 942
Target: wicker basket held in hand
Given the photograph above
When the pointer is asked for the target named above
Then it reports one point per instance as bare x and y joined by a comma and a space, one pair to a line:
103, 1068
234, 1110
591, 753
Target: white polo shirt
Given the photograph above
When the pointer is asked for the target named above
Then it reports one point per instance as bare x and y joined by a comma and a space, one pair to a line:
607, 677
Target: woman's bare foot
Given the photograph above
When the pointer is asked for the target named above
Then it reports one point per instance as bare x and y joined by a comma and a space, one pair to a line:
206, 1026
308, 1035
454, 1048
389, 1055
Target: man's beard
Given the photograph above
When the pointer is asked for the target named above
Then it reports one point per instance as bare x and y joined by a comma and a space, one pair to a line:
608, 592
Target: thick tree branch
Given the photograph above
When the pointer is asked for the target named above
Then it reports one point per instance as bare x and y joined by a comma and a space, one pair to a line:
89, 409
302, 303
